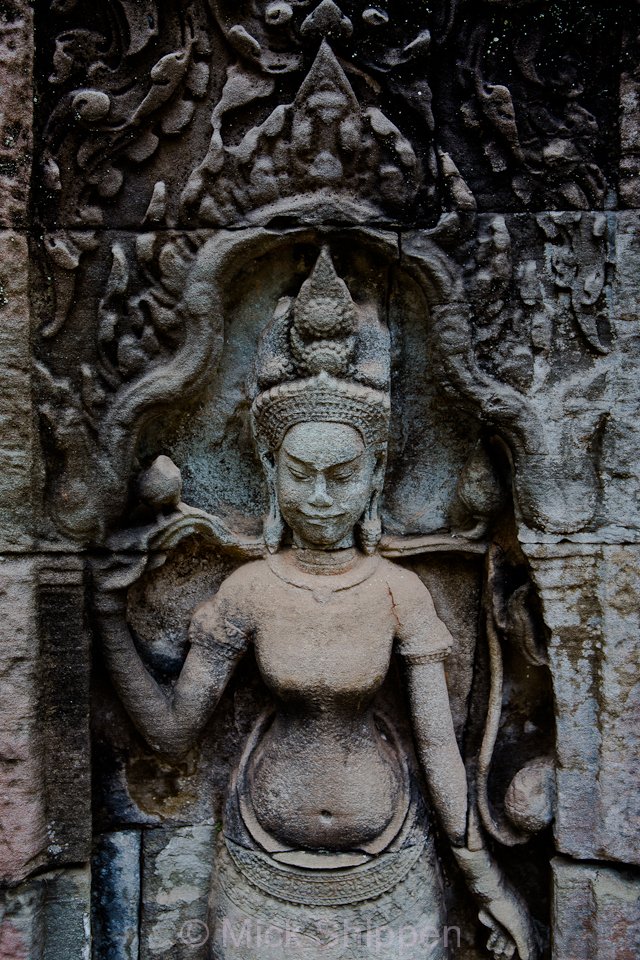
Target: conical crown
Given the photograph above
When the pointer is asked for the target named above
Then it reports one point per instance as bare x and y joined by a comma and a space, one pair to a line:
324, 307
322, 358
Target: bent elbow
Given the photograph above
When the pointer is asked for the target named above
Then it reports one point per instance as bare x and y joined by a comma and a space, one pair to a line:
170, 744
170, 750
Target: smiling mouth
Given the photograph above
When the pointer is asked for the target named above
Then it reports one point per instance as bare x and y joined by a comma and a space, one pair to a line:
320, 517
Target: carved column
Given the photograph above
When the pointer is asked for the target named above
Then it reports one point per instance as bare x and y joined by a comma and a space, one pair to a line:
45, 808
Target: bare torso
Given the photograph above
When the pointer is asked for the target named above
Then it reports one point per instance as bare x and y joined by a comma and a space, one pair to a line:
325, 773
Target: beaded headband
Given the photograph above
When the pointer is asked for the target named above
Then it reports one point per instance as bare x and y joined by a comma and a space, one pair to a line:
325, 399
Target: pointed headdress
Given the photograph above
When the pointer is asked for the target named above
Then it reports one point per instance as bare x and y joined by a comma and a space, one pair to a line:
322, 358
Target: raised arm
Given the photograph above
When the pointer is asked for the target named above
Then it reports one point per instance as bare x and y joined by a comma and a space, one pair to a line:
170, 721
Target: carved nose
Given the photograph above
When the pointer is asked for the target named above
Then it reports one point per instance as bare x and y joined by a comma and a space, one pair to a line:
320, 497
327, 20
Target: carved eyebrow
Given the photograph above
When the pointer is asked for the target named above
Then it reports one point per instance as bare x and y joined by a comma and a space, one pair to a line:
301, 463
345, 463
333, 466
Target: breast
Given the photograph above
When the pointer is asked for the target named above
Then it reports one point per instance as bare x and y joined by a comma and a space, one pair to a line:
320, 652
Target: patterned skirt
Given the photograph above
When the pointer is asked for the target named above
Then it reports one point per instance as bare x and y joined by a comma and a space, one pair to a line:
389, 908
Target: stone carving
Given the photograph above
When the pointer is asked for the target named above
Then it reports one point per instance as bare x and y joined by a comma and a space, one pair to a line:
121, 149
324, 613
160, 334
527, 103
311, 154
324, 136
507, 362
151, 347
273, 35
98, 126
359, 268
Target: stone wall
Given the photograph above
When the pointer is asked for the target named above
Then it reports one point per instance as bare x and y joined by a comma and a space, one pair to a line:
168, 174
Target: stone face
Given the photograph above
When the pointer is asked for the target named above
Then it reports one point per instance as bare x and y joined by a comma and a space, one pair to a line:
18, 480
596, 912
16, 113
587, 594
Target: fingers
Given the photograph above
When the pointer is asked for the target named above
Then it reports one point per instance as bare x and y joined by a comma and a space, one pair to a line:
504, 942
501, 946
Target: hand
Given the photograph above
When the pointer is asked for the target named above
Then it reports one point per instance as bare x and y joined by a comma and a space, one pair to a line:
499, 943
510, 929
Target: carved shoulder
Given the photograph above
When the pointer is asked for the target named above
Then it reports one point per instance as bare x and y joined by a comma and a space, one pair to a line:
421, 636
226, 620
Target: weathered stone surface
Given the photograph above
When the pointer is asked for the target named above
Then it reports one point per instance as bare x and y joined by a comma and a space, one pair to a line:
353, 156
67, 895
63, 710
23, 836
528, 352
596, 912
630, 118
47, 918
21, 923
115, 896
589, 601
18, 482
176, 881
437, 99
621, 438
45, 799
16, 110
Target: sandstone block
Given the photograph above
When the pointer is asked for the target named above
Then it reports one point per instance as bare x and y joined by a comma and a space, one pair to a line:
177, 868
590, 606
16, 110
17, 437
596, 912
23, 837
64, 708
116, 896
47, 918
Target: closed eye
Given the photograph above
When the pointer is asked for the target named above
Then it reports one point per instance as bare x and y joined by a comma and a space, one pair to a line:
298, 474
342, 475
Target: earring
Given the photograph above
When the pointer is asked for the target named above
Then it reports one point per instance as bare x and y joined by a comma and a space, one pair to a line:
370, 526
273, 524
273, 529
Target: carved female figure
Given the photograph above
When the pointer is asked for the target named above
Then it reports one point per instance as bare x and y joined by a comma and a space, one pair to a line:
326, 838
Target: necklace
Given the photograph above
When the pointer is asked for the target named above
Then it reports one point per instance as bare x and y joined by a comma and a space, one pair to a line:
328, 580
325, 562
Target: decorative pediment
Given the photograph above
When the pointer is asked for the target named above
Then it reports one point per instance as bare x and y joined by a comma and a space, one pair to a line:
322, 156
